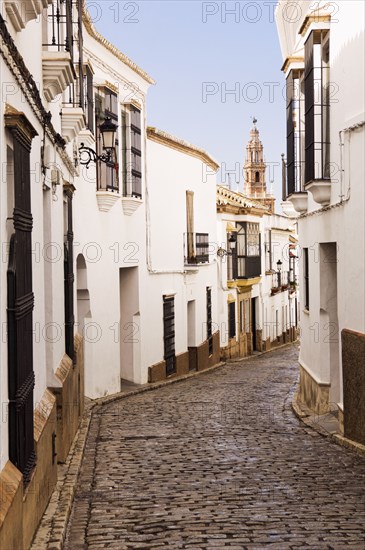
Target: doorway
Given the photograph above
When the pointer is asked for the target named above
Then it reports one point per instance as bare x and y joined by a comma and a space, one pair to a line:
253, 323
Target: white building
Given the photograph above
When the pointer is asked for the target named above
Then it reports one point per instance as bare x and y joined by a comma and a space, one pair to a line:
96, 286
323, 53
181, 232
141, 307
258, 295
41, 358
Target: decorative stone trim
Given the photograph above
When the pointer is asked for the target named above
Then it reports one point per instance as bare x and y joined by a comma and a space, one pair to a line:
72, 122
18, 123
42, 413
20, 12
11, 493
180, 145
87, 138
314, 17
321, 191
64, 368
293, 62
130, 205
106, 200
227, 198
299, 201
58, 73
314, 394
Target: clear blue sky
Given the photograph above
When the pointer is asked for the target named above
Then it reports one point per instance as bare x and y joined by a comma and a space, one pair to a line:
184, 45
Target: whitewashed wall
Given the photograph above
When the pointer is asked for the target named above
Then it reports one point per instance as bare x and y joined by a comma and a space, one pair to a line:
343, 224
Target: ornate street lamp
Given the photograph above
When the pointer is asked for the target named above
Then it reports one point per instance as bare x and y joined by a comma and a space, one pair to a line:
108, 131
232, 245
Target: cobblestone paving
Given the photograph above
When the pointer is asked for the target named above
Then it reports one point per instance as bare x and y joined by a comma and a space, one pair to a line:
217, 461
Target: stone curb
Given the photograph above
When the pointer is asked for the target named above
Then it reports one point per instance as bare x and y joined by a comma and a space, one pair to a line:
337, 438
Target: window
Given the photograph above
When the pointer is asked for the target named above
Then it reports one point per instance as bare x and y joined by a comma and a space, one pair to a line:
111, 104
316, 83
306, 277
248, 251
209, 321
59, 28
268, 250
295, 131
169, 333
232, 319
89, 98
132, 151
257, 177
202, 248
20, 299
68, 275
106, 102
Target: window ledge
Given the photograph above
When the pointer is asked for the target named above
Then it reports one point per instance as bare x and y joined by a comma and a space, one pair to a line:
130, 205
106, 200
321, 191
299, 201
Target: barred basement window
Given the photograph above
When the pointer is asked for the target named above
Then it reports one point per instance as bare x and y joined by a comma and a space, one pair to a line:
317, 104
209, 321
169, 333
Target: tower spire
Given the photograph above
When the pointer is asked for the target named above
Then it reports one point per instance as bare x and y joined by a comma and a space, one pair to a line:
255, 169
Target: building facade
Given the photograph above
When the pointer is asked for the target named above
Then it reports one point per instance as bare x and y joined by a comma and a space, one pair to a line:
325, 174
107, 271
257, 263
41, 353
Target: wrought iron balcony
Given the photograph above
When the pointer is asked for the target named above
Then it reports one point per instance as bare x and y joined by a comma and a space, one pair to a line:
58, 51
196, 248
280, 281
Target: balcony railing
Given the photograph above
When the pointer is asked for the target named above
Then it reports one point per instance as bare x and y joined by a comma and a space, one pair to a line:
280, 281
196, 248
60, 38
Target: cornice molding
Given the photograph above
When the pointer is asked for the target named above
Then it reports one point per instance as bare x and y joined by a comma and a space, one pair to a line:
19, 124
180, 145
89, 26
237, 203
290, 60
118, 77
313, 18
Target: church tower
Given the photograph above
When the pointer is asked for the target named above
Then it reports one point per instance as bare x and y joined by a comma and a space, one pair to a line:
255, 170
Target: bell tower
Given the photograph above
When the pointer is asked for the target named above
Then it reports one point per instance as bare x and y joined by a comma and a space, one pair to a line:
255, 170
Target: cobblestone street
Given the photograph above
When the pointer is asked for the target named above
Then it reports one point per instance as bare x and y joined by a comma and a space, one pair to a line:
216, 461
